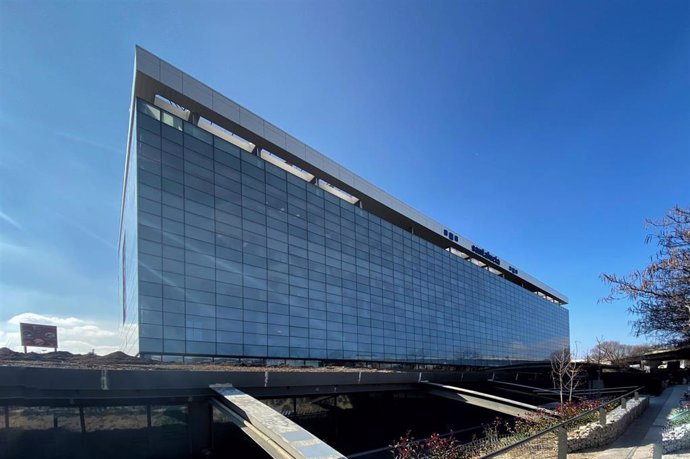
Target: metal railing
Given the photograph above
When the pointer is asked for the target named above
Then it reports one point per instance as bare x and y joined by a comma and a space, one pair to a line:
560, 429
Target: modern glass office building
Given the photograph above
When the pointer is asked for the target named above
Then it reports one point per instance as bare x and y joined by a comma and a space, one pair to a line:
239, 241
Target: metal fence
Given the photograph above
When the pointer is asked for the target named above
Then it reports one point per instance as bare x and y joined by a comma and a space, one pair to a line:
552, 442
543, 447
390, 450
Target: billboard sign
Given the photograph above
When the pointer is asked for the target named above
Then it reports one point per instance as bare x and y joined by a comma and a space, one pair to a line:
38, 335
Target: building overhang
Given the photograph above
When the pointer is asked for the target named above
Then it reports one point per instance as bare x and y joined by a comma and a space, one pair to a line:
155, 77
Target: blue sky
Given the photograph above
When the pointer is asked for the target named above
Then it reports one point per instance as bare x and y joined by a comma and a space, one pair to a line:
544, 131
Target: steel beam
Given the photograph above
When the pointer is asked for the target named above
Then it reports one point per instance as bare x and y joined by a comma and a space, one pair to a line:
294, 441
480, 402
268, 445
491, 402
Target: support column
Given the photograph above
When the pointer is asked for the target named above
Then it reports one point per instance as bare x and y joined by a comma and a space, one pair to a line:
199, 425
148, 425
562, 443
82, 422
602, 416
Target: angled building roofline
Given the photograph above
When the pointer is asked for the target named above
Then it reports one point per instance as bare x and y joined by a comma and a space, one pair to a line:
156, 77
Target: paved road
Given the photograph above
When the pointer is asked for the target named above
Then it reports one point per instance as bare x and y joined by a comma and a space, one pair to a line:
637, 441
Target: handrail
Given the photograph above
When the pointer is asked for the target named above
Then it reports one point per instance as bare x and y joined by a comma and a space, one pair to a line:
558, 426
605, 390
555, 391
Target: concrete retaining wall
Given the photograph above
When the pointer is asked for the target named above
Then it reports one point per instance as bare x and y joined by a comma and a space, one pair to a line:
594, 435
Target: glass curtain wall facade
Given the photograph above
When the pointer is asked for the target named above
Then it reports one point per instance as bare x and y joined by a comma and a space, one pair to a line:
226, 255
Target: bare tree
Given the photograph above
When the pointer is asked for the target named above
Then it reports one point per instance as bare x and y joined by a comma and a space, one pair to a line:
565, 373
661, 291
573, 375
559, 361
596, 355
614, 352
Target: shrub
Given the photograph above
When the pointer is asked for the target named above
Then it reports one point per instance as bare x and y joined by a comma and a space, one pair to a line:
495, 434
434, 447
678, 416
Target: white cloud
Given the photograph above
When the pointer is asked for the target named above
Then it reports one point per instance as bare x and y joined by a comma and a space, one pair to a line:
75, 335
10, 220
86, 230
7, 247
41, 278
87, 142
43, 319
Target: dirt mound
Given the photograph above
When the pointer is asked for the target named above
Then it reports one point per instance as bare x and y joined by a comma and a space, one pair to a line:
121, 357
5, 352
59, 355
8, 354
121, 361
64, 358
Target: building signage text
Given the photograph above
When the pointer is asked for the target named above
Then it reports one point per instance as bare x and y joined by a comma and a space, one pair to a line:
486, 254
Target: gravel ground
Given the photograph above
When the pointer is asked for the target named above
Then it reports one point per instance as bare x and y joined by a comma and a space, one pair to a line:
685, 453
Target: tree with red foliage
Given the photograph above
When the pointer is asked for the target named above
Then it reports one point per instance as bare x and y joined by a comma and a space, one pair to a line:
434, 447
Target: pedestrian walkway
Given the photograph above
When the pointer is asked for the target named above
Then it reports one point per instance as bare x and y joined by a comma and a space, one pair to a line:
638, 439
